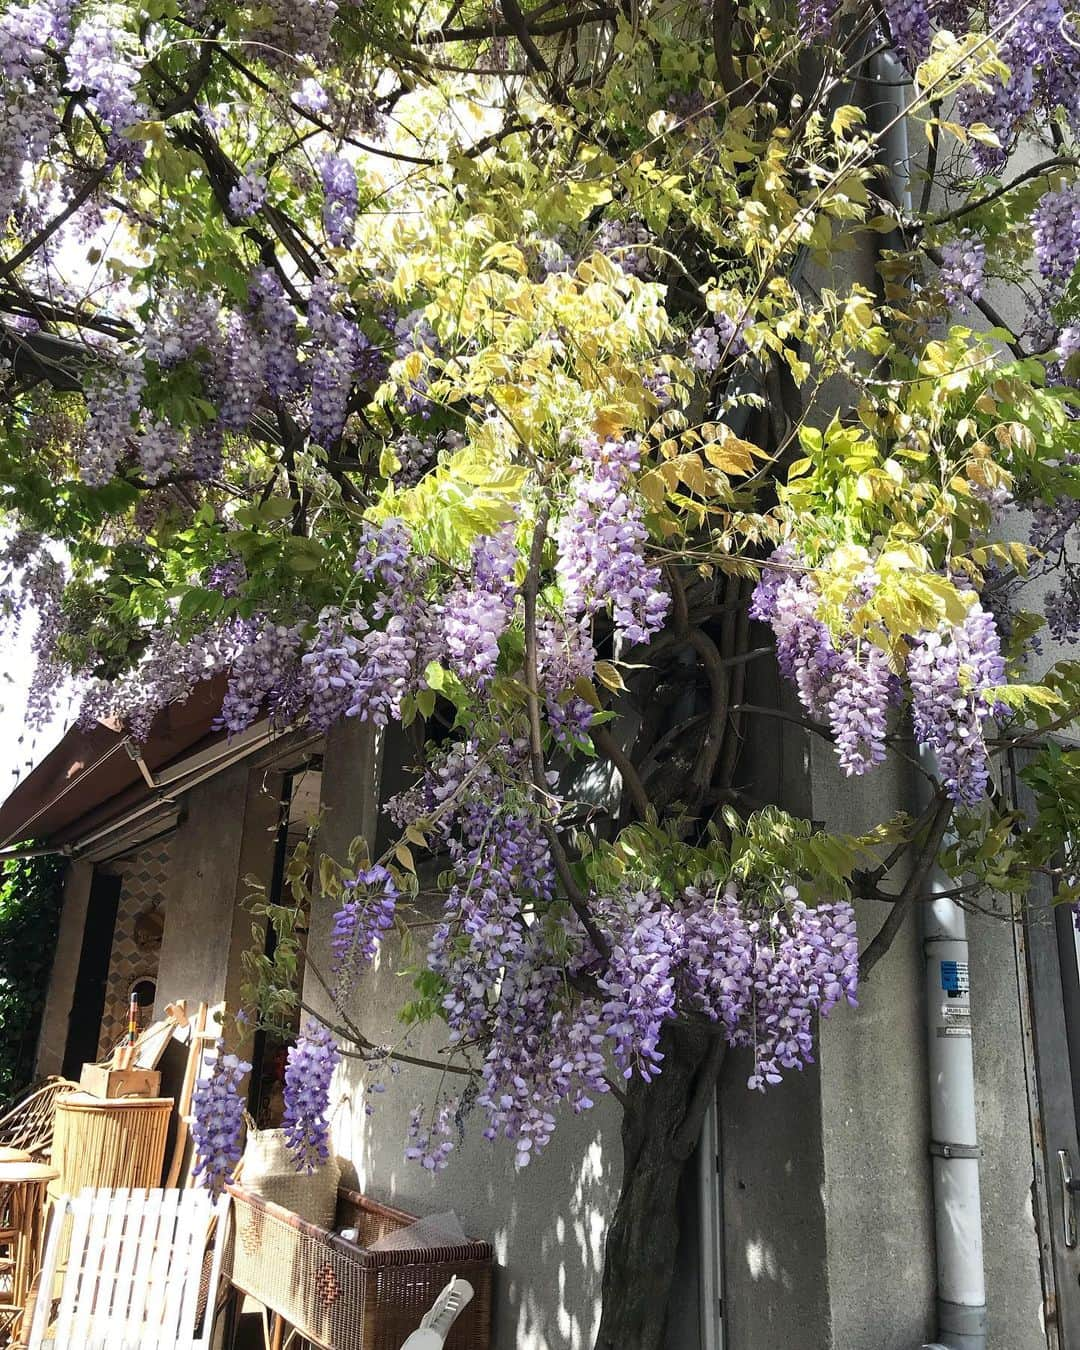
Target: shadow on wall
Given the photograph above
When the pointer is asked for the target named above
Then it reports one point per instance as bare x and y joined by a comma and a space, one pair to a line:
547, 1222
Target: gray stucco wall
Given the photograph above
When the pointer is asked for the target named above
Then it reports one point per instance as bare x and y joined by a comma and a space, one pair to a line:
829, 1241
201, 896
828, 1235
1010, 1241
878, 1199
546, 1222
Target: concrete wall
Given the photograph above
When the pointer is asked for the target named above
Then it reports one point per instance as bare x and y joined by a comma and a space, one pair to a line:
875, 1111
227, 833
52, 1038
547, 1222
829, 1241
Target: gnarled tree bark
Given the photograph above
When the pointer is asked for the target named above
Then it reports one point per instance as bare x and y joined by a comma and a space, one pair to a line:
661, 1124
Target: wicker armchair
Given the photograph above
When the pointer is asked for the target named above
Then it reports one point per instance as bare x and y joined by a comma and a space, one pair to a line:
27, 1121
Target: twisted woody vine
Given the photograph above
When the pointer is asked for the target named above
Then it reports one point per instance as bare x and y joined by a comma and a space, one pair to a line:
530, 380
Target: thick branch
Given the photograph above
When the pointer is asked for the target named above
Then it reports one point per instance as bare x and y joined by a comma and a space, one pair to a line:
90, 185
1036, 171
713, 660
689, 1132
609, 747
886, 934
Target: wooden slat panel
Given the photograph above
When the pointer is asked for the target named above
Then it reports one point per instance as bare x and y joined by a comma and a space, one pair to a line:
158, 1258
43, 1306
179, 1271
199, 1204
80, 1226
129, 1294
90, 1267
116, 1213
133, 1270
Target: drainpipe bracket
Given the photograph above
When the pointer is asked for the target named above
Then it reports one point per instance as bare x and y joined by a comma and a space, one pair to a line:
944, 1149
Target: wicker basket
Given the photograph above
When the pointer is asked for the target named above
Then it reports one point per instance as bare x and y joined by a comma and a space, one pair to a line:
340, 1295
270, 1173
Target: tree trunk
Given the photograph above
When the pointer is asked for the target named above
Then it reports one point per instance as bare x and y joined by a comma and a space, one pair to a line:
661, 1125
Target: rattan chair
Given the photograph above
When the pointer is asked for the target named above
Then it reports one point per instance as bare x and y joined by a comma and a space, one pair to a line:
27, 1122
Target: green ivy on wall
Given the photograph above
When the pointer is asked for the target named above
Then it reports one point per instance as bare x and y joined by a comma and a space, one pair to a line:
30, 895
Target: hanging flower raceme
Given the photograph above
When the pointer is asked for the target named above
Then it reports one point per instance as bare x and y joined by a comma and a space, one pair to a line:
218, 1120
340, 189
474, 614
431, 1138
852, 687
601, 541
950, 671
309, 1069
761, 967
264, 674
365, 916
331, 670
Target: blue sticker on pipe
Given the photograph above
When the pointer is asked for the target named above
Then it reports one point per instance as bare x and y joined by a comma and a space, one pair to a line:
954, 978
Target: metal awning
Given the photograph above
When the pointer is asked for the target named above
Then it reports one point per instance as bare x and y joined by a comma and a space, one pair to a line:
95, 776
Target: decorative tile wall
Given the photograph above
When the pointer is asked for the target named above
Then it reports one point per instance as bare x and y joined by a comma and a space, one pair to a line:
142, 887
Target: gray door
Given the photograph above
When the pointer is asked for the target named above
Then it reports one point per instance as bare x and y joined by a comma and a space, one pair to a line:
1051, 952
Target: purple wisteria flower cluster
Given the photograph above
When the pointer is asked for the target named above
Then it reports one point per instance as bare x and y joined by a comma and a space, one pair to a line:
112, 405
342, 356
431, 1140
249, 193
1036, 42
263, 670
362, 921
253, 357
949, 671
816, 18
1055, 225
761, 969
218, 1120
963, 267
309, 1070
331, 669
909, 23
626, 243
516, 968
601, 539
341, 198
843, 682
98, 65
32, 583
719, 341
27, 88
565, 655
474, 614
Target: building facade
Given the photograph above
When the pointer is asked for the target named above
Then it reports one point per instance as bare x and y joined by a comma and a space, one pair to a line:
808, 1212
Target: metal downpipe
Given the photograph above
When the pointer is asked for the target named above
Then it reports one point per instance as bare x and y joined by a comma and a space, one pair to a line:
954, 1148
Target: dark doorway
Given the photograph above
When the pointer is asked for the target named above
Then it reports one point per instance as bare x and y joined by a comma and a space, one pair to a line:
88, 999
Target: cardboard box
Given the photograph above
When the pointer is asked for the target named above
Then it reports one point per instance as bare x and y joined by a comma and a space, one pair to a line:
100, 1081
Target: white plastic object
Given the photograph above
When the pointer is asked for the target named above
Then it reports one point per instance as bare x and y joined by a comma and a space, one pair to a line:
436, 1323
